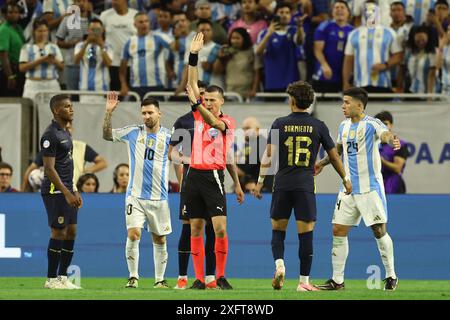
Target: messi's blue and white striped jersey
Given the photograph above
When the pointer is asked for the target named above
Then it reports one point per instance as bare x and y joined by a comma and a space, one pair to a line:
94, 74
419, 66
149, 162
31, 52
360, 143
147, 61
446, 70
418, 9
370, 46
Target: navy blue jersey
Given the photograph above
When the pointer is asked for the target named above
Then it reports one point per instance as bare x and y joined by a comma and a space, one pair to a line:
89, 156
299, 140
57, 142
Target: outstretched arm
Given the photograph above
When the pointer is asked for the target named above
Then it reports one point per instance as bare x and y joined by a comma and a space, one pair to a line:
391, 139
111, 104
196, 46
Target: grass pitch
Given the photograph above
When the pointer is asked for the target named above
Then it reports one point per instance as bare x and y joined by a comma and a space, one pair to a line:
244, 289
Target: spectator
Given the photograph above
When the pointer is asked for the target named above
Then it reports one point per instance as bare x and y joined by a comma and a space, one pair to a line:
237, 60
277, 44
401, 23
225, 12
88, 183
393, 161
67, 37
438, 18
54, 13
120, 177
35, 9
329, 45
41, 61
419, 10
420, 60
11, 41
382, 15
249, 156
119, 26
443, 62
6, 172
145, 54
94, 57
203, 12
207, 56
370, 53
82, 153
250, 20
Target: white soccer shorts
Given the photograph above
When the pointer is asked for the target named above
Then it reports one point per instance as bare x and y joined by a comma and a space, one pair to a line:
155, 212
351, 208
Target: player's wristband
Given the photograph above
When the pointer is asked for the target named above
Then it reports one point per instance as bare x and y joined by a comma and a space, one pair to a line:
193, 59
261, 179
195, 105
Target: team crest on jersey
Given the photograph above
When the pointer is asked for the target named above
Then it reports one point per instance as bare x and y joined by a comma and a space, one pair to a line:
151, 143
160, 146
360, 134
344, 135
341, 34
60, 220
352, 134
213, 133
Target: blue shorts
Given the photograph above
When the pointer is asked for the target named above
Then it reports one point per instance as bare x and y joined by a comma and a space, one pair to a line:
303, 203
59, 213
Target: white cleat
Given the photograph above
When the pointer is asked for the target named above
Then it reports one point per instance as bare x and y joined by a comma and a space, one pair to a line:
54, 283
68, 285
278, 278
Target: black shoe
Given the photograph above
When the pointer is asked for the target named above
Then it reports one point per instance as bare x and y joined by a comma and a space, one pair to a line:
198, 285
161, 285
390, 284
331, 285
223, 284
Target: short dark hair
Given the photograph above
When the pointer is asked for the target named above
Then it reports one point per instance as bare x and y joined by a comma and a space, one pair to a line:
140, 13
385, 116
282, 5
344, 3
40, 22
84, 178
444, 2
398, 3
150, 101
214, 88
357, 93
202, 84
56, 100
96, 20
204, 21
4, 165
303, 94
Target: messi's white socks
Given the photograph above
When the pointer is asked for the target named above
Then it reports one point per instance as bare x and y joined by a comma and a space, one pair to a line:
386, 248
339, 255
160, 260
132, 255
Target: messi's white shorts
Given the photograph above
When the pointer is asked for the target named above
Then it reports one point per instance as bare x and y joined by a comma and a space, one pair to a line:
155, 212
350, 208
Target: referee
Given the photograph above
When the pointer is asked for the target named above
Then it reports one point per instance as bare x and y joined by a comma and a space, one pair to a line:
205, 197
61, 199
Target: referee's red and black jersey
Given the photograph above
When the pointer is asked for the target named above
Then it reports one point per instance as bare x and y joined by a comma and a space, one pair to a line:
210, 145
57, 142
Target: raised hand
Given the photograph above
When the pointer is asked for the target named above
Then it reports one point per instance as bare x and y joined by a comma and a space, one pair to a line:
191, 94
197, 43
112, 101
395, 143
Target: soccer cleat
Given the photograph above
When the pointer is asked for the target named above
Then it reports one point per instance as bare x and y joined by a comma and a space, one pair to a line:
53, 283
278, 278
390, 284
198, 285
132, 283
212, 285
67, 283
181, 284
331, 285
223, 284
306, 287
161, 285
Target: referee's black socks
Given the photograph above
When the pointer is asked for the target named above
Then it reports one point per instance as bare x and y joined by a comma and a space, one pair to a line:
305, 252
210, 256
66, 256
277, 242
184, 249
53, 255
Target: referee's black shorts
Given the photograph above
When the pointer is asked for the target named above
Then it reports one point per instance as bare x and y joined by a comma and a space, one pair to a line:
205, 194
303, 203
59, 212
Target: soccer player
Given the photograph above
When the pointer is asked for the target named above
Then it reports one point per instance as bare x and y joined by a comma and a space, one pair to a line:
59, 193
358, 139
146, 197
296, 139
186, 124
205, 197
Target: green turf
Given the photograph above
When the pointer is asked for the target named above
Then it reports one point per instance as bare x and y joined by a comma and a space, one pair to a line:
253, 289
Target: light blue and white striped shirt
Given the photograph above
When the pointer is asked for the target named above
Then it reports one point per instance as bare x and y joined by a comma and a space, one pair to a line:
147, 61
31, 52
94, 74
419, 66
446, 70
361, 155
418, 9
149, 162
370, 46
